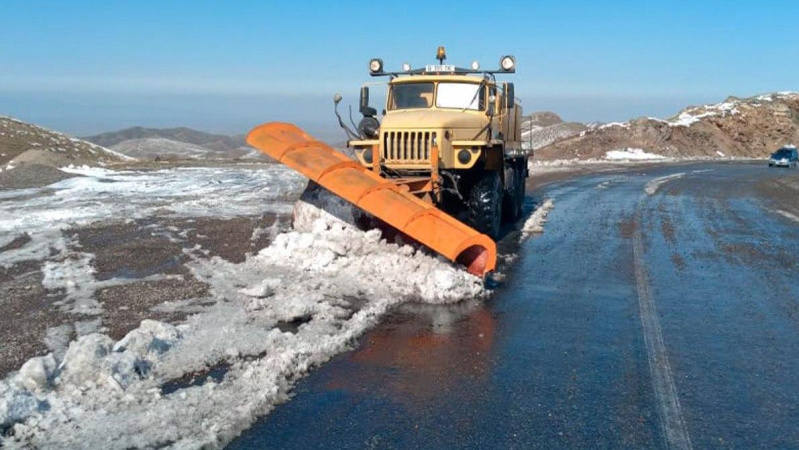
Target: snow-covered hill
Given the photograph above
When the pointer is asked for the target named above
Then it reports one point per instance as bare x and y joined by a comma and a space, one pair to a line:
750, 128
543, 128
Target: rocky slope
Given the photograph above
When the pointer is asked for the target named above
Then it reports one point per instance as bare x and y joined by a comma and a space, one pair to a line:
737, 127
24, 143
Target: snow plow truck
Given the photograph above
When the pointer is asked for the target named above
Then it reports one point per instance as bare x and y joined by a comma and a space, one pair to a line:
445, 166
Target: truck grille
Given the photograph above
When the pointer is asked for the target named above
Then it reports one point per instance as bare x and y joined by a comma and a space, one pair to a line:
407, 146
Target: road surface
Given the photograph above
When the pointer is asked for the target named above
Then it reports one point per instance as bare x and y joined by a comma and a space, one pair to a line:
659, 309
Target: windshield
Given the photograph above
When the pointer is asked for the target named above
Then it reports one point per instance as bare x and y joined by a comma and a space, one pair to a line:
460, 96
784, 153
411, 95
449, 95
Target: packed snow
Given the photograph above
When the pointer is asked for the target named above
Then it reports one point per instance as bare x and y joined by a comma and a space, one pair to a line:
631, 154
326, 277
653, 185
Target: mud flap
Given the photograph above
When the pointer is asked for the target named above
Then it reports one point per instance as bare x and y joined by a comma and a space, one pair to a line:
385, 200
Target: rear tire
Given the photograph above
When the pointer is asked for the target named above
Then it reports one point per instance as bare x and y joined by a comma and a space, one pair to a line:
485, 204
522, 186
514, 192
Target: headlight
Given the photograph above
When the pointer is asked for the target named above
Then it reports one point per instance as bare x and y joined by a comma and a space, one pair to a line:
376, 65
475, 65
406, 67
507, 63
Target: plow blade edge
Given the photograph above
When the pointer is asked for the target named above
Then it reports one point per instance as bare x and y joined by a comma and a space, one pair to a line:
380, 197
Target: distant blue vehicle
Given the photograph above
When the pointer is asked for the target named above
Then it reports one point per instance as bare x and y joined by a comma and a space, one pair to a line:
785, 157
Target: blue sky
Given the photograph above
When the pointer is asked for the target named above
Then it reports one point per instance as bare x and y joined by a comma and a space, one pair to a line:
90, 66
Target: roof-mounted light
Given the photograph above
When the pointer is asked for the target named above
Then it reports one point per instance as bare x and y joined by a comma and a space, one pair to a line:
406, 67
475, 65
507, 63
441, 54
376, 65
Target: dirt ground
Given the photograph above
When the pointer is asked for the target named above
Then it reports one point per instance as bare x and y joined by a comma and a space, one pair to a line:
150, 254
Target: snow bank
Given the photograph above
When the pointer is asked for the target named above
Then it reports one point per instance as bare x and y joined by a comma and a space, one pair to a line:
326, 278
631, 154
535, 223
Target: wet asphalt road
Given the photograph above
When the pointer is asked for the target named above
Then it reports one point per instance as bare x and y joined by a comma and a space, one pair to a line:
667, 319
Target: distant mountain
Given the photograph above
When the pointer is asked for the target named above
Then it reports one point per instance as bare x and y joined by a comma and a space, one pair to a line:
737, 127
24, 143
175, 143
215, 142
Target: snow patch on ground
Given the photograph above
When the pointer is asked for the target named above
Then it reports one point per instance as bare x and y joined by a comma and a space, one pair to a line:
330, 279
788, 215
693, 115
102, 194
631, 154
535, 223
653, 185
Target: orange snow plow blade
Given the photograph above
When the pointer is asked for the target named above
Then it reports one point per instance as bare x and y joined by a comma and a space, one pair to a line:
376, 195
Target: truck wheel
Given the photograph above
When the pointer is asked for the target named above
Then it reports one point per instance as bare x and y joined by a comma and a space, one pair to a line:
520, 187
510, 199
485, 204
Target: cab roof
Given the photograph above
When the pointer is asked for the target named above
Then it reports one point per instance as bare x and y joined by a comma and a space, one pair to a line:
437, 77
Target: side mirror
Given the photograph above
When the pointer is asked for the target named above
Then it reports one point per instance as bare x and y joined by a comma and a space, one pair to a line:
510, 96
364, 104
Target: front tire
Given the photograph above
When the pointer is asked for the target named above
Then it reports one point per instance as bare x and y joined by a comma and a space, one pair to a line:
485, 204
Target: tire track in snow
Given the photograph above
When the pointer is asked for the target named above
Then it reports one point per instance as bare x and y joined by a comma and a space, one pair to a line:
671, 419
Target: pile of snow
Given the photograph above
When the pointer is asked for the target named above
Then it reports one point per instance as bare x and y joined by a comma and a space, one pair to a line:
631, 154
328, 278
535, 223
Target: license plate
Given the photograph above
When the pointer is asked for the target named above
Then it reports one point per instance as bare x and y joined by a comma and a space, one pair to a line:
439, 68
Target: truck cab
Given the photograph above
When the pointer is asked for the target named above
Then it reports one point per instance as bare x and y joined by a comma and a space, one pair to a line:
451, 136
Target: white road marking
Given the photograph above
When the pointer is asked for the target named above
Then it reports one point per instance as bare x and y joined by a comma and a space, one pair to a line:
671, 419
